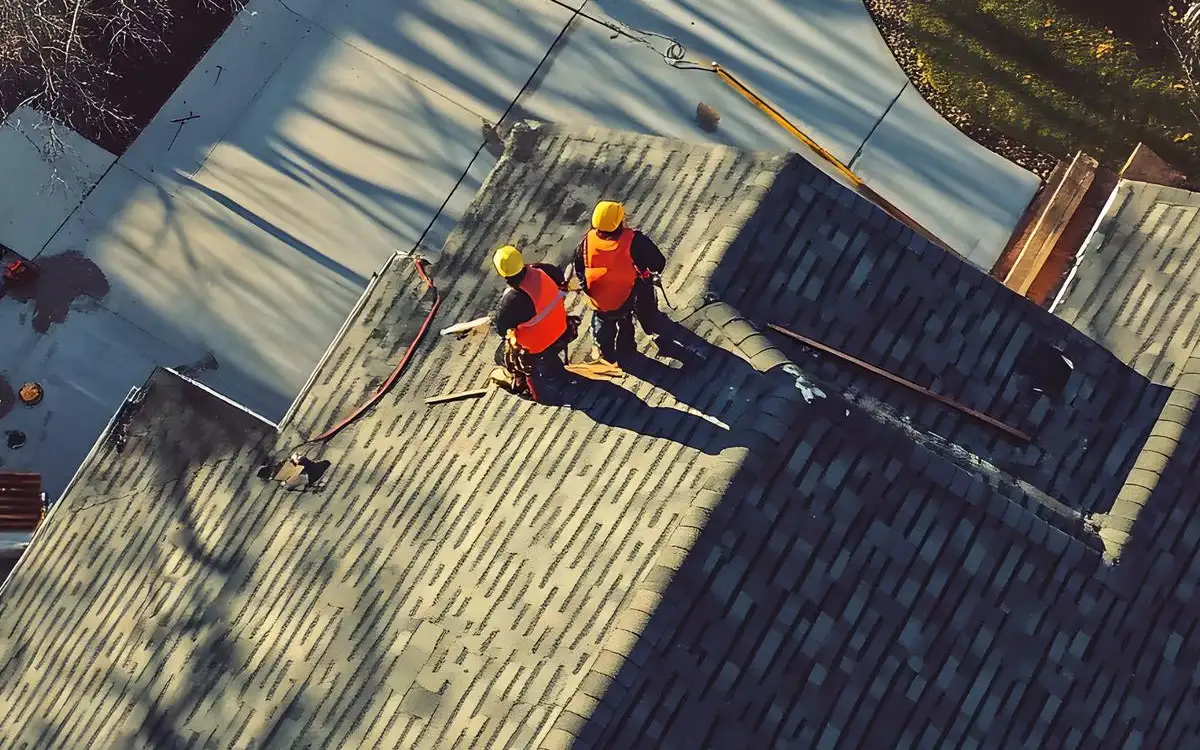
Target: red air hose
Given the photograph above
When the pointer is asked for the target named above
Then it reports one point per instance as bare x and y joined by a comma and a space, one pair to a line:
387, 384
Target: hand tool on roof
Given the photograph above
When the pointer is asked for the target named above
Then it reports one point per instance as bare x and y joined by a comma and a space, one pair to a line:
596, 370
466, 327
460, 395
901, 381
656, 280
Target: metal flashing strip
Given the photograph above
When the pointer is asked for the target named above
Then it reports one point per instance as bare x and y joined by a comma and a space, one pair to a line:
224, 398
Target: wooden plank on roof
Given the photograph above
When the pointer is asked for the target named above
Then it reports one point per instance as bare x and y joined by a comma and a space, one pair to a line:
21, 504
1051, 224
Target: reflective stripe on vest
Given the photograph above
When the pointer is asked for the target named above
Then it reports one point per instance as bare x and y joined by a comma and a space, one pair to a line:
549, 321
546, 311
609, 270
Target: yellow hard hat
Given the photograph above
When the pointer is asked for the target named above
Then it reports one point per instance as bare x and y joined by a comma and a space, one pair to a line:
508, 261
608, 216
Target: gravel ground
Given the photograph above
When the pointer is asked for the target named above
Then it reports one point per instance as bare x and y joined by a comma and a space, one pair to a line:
891, 16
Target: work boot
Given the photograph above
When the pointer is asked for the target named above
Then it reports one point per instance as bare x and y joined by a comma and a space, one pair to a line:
554, 390
504, 379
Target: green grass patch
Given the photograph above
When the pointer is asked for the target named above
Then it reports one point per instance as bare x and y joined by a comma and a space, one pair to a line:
1061, 75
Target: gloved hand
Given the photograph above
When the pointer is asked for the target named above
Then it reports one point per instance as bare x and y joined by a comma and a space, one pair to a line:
572, 283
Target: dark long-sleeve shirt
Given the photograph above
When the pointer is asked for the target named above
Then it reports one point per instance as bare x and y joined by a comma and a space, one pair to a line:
515, 307
646, 256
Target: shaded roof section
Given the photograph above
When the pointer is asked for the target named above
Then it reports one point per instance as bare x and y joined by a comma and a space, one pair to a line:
1136, 285
1135, 289
468, 574
853, 589
858, 582
824, 264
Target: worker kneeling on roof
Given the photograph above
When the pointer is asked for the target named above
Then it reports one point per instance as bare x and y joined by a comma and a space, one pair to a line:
532, 318
617, 267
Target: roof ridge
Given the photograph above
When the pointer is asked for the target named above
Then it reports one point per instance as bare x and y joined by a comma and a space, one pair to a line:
1116, 525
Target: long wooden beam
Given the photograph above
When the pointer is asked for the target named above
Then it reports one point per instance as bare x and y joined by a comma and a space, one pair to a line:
901, 381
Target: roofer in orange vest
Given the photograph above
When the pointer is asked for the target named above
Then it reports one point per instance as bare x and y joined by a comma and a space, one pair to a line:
616, 266
532, 318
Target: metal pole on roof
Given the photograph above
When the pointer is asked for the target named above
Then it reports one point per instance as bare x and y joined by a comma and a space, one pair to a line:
906, 383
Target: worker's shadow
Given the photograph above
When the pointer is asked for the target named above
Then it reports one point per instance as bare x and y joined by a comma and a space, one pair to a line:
711, 389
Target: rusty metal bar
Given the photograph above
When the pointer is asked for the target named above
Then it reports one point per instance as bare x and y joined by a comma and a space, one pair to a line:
906, 383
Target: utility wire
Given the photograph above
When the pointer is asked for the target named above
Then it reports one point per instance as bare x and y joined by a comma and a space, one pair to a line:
675, 53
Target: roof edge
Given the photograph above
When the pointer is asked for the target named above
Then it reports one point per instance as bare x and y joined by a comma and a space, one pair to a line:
355, 312
1116, 526
84, 466
1091, 241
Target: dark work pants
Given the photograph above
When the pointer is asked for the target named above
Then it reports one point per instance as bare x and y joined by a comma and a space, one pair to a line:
535, 373
614, 330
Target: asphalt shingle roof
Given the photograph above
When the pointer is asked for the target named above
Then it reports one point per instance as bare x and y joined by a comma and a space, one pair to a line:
901, 603
1136, 285
769, 550
1135, 289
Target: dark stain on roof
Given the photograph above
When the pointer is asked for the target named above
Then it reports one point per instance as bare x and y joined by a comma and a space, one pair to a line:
765, 551
61, 282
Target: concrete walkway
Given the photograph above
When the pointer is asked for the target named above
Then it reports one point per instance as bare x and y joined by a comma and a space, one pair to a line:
318, 138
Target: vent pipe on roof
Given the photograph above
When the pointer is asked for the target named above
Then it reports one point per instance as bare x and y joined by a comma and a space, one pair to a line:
1116, 525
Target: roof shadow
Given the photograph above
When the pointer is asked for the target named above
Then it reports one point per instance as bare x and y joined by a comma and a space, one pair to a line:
820, 604
846, 583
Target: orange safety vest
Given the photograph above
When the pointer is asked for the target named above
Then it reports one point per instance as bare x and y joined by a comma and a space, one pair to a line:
609, 270
549, 321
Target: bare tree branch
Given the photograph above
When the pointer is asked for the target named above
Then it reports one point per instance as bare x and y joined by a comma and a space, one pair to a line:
74, 25
58, 56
